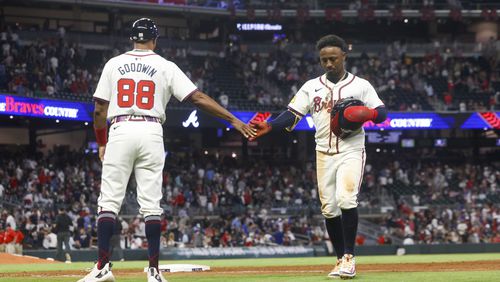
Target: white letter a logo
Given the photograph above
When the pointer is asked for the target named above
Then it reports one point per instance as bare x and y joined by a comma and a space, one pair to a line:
192, 119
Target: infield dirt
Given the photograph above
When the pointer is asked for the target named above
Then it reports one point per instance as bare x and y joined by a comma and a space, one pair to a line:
394, 267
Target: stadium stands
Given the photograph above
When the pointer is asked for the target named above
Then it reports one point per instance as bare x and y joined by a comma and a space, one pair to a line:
231, 207
419, 197
58, 68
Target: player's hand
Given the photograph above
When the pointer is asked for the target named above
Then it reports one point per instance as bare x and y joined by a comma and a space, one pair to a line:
261, 127
244, 129
102, 150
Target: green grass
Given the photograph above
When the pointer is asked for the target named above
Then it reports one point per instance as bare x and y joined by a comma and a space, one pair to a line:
295, 277
482, 276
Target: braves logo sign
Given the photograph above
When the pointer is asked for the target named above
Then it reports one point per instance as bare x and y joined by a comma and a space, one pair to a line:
192, 119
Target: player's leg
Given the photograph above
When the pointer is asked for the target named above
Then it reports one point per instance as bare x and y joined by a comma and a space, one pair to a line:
148, 173
348, 182
325, 168
116, 169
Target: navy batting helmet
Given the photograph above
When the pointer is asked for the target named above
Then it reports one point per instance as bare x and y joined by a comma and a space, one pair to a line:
143, 30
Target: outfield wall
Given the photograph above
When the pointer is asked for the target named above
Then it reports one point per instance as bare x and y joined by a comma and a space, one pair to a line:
270, 252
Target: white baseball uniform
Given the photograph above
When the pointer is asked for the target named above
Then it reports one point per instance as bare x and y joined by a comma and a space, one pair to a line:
339, 162
138, 85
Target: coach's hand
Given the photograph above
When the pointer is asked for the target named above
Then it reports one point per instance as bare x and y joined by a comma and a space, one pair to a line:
102, 150
261, 127
244, 129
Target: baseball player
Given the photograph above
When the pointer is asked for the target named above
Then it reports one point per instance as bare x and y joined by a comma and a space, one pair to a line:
132, 93
339, 103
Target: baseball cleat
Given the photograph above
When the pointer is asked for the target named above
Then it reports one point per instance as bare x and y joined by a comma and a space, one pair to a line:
335, 273
155, 276
348, 267
99, 275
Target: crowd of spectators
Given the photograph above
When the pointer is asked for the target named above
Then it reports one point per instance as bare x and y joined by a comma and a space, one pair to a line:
345, 4
444, 225
439, 200
228, 202
439, 81
442, 80
45, 67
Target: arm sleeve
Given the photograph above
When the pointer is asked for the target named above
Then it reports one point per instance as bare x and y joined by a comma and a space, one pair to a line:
104, 88
285, 120
180, 85
381, 114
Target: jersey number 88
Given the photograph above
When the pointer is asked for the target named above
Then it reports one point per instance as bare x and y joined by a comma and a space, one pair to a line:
145, 90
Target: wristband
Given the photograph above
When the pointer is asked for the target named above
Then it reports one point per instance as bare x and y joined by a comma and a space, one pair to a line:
101, 135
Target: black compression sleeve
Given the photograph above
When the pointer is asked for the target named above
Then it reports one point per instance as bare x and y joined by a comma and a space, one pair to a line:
285, 119
382, 114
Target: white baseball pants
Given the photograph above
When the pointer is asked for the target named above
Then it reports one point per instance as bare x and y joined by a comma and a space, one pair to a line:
339, 180
133, 146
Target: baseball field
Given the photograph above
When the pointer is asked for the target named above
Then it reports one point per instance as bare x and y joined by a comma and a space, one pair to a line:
435, 268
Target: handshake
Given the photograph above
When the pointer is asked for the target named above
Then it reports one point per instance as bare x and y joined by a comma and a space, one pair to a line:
260, 128
258, 123
256, 127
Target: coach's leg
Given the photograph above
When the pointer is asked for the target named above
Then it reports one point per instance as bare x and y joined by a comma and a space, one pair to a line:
116, 168
325, 168
348, 182
148, 173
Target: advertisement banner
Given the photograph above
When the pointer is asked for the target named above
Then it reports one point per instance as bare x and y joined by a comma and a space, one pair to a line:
485, 120
45, 108
193, 118
239, 252
396, 121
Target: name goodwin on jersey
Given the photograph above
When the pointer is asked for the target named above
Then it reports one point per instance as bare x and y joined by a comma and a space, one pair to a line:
139, 67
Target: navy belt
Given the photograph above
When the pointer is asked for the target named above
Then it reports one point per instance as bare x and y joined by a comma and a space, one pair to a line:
135, 118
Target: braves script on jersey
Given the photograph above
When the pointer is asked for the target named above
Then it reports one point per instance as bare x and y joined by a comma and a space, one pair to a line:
318, 95
140, 82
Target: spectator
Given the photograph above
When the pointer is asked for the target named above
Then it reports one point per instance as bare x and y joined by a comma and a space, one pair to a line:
63, 224
49, 240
